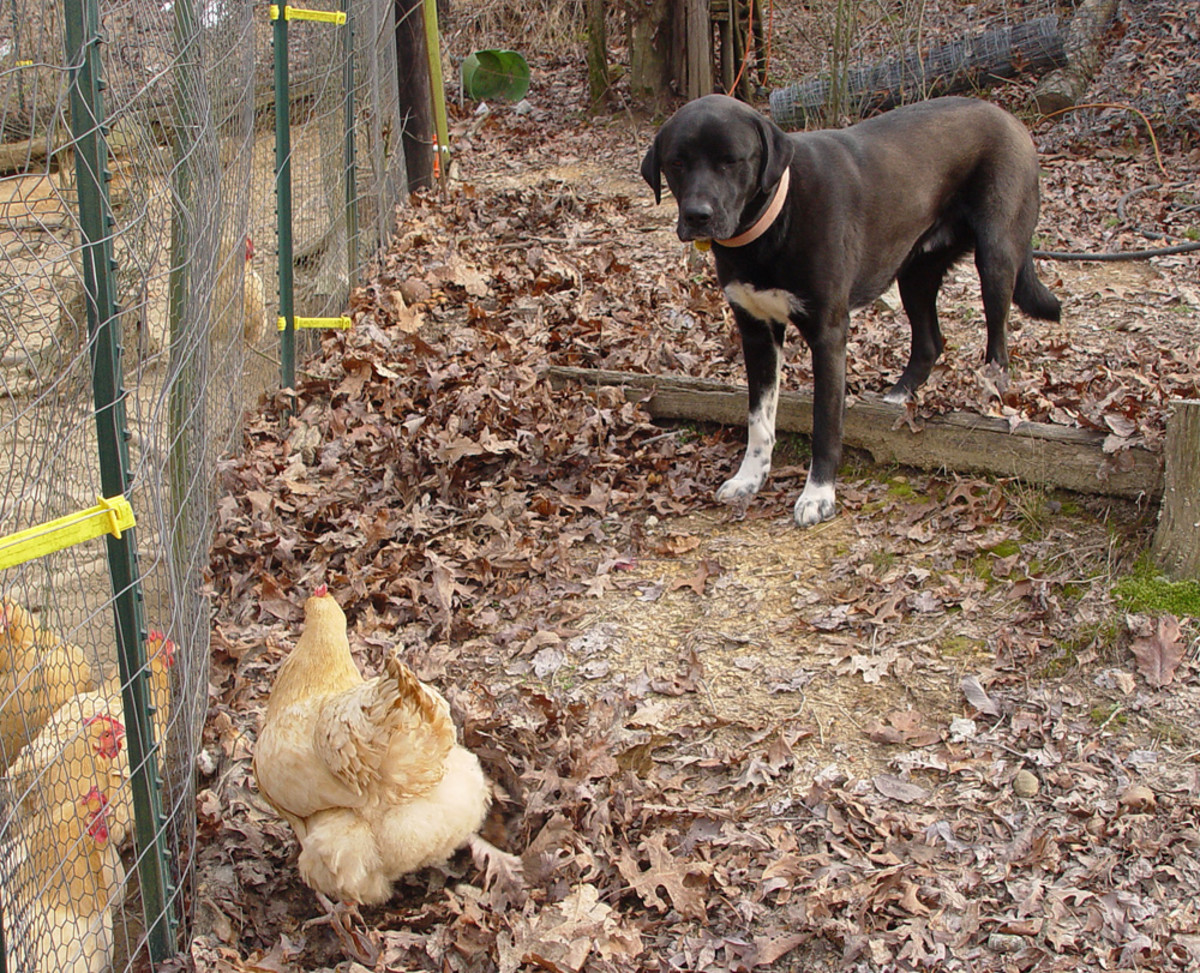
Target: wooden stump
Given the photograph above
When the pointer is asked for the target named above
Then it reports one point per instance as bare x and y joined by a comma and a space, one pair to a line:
1176, 545
1084, 44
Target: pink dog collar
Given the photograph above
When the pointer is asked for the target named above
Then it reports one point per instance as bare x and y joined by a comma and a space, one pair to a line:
762, 224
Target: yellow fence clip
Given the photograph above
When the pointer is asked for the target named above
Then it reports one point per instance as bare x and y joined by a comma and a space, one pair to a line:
342, 322
109, 516
298, 13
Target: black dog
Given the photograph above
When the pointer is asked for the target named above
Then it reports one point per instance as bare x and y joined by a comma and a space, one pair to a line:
807, 227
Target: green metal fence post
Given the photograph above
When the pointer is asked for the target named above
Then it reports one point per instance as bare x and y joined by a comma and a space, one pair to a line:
351, 161
96, 224
283, 200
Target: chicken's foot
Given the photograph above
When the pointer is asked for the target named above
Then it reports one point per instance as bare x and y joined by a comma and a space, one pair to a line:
502, 871
358, 942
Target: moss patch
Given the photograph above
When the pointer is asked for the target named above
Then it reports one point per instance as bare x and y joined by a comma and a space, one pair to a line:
1145, 590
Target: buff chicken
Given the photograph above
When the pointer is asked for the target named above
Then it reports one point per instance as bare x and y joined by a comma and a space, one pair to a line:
367, 772
256, 322
61, 842
38, 673
102, 708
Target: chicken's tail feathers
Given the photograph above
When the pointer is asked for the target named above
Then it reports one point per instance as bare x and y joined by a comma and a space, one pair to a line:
423, 733
412, 692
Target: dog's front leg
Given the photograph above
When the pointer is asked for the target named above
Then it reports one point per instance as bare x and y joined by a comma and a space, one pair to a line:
762, 349
827, 339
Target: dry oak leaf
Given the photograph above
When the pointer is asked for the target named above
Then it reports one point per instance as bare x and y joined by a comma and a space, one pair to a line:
905, 726
1159, 653
708, 568
681, 879
562, 936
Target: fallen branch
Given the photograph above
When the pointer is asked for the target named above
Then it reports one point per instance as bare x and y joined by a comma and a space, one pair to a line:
1053, 456
1029, 48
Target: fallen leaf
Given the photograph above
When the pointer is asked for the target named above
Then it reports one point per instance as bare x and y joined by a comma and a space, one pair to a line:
977, 696
900, 790
1159, 654
706, 569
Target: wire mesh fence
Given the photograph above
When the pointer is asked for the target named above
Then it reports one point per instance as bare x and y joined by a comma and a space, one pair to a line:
958, 66
103, 676
844, 59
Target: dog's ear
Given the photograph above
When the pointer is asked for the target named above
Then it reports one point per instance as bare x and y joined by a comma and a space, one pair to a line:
776, 153
651, 171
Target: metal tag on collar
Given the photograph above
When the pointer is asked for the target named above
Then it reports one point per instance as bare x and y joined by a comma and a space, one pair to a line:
702, 245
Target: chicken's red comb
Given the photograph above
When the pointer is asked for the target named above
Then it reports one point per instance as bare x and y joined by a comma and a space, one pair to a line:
95, 802
109, 743
166, 646
320, 591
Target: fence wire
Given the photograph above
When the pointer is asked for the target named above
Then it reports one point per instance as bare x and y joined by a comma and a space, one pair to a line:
189, 114
851, 58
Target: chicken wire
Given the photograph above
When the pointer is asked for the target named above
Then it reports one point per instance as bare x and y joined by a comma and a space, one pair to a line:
189, 113
863, 56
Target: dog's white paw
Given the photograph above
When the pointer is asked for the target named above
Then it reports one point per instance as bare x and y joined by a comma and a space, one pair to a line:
897, 395
752, 474
814, 505
737, 487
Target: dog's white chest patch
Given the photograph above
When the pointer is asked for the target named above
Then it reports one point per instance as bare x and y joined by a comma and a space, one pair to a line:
773, 304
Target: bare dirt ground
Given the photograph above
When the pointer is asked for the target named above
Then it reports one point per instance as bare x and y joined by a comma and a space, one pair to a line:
942, 731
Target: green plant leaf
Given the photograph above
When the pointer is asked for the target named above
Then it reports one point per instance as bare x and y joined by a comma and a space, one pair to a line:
495, 74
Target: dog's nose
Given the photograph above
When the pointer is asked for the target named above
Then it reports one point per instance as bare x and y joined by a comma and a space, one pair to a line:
698, 215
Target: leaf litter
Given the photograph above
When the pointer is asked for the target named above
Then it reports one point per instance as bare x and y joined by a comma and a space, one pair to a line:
717, 742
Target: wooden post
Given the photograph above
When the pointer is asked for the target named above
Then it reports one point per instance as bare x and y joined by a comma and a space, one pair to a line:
1176, 546
416, 94
698, 33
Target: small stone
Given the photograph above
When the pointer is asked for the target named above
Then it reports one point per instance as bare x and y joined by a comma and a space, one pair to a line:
1025, 783
1002, 942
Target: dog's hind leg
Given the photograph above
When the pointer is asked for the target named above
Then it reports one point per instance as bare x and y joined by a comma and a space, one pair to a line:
762, 349
997, 268
919, 284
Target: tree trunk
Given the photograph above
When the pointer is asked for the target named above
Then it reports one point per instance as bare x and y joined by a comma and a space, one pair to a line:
1083, 42
1176, 544
416, 94
597, 55
670, 50
650, 42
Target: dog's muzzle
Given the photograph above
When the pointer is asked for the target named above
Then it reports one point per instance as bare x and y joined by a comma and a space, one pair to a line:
696, 221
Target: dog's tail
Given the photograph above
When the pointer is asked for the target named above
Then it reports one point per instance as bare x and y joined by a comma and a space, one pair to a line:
1032, 296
